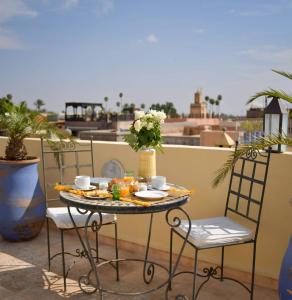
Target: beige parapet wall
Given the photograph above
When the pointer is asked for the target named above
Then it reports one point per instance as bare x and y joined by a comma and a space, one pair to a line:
194, 167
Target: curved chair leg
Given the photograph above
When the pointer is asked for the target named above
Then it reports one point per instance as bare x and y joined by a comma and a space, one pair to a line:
222, 264
117, 250
96, 246
253, 271
48, 242
63, 259
195, 274
170, 257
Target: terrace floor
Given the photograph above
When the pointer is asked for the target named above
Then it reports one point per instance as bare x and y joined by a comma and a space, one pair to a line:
24, 276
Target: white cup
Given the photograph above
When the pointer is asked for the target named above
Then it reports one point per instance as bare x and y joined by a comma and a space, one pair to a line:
82, 182
158, 182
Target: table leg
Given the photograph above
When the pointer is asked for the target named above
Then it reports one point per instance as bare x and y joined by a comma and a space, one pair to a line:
175, 222
95, 227
148, 268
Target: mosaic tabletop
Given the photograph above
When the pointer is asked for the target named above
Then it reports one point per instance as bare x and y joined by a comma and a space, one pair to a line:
177, 197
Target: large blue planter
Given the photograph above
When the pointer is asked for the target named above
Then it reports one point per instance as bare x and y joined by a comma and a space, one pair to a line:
285, 280
22, 202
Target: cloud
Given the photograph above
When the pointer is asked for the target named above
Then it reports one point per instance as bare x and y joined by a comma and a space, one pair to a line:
15, 8
7, 41
71, 3
260, 10
104, 7
199, 30
152, 39
269, 54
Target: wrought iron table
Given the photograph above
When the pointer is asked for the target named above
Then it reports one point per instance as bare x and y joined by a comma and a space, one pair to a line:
172, 207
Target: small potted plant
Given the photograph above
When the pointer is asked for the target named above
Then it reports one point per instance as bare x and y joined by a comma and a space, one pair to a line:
145, 137
22, 203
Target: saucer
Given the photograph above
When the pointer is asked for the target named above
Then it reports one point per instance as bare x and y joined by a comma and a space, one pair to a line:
88, 188
163, 188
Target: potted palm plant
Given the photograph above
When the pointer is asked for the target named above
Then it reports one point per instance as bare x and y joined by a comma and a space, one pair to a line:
285, 283
22, 203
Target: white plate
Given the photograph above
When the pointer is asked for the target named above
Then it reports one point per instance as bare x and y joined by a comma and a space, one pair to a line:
89, 188
151, 195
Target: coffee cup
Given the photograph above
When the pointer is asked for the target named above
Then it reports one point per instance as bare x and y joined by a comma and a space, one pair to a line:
82, 182
158, 182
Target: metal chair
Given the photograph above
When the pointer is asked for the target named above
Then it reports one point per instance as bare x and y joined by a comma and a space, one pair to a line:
244, 201
54, 157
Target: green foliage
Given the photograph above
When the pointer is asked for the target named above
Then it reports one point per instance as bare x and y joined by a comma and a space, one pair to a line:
168, 108
38, 104
274, 93
261, 143
251, 126
19, 122
5, 102
128, 108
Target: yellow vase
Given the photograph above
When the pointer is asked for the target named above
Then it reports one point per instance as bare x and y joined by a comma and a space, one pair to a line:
147, 163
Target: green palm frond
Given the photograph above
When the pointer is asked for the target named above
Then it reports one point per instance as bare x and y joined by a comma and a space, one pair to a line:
260, 144
272, 93
283, 73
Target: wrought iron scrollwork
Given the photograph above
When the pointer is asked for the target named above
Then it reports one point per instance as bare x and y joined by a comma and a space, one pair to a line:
82, 211
252, 153
148, 268
175, 222
94, 225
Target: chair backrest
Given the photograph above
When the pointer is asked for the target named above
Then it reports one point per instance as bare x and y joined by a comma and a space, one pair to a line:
247, 186
62, 161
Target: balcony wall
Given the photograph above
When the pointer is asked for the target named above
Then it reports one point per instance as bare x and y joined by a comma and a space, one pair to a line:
194, 167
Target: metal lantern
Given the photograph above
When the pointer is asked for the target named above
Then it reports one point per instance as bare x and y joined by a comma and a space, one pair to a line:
276, 121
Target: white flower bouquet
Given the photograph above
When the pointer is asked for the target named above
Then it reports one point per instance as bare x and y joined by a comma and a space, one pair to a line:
145, 132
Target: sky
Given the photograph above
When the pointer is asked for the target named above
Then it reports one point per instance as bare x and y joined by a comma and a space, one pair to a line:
150, 50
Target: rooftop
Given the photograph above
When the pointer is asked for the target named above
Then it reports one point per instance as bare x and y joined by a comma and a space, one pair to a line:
24, 275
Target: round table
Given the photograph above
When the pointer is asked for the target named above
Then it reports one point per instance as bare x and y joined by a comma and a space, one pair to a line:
171, 205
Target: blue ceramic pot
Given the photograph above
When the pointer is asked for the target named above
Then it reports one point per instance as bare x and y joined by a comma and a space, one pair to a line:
285, 280
22, 202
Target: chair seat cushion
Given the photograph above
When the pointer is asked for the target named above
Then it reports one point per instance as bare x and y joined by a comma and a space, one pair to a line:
215, 232
61, 217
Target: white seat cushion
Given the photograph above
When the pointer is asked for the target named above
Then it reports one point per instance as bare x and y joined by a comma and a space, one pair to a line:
62, 219
214, 232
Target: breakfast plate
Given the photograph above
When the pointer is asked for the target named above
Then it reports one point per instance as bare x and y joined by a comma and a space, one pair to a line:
97, 195
151, 195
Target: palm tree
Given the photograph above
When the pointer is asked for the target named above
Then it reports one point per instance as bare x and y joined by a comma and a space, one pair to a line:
212, 102
118, 104
38, 104
262, 142
105, 100
219, 98
217, 103
121, 96
207, 101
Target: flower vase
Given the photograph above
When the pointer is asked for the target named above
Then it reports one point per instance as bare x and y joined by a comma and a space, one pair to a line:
147, 163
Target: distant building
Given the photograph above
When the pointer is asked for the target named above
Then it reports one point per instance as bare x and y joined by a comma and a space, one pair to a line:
199, 107
255, 112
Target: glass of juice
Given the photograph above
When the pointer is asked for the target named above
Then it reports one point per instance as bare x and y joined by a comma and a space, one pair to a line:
124, 190
116, 191
129, 176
